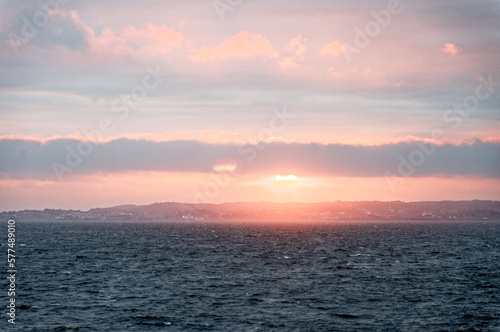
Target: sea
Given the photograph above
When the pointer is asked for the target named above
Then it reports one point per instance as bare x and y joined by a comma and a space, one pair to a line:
254, 276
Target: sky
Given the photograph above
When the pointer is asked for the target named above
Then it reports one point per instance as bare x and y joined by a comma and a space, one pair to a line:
200, 101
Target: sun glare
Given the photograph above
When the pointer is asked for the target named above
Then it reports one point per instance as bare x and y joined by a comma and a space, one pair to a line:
288, 177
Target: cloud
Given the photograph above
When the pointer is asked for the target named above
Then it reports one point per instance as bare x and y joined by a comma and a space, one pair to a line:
23, 158
154, 39
240, 46
450, 49
86, 51
66, 28
287, 63
333, 48
296, 46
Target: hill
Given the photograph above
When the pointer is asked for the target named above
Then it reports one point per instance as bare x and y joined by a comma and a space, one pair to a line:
338, 210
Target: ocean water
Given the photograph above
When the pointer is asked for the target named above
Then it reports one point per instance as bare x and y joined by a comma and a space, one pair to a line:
256, 276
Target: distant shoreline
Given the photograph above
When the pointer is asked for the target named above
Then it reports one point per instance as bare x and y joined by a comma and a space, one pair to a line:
328, 211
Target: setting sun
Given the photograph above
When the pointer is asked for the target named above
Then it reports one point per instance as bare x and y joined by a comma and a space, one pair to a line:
288, 177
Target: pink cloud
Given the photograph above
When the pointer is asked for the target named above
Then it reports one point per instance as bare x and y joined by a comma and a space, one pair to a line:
450, 49
333, 48
241, 45
154, 39
108, 45
296, 46
129, 42
287, 63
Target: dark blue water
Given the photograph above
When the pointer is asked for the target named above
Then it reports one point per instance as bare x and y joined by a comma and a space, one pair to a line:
179, 276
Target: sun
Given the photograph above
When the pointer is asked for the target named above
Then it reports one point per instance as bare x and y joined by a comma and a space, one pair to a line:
287, 178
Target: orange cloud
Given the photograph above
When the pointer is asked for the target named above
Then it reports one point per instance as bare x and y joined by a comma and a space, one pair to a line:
241, 45
333, 48
450, 49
